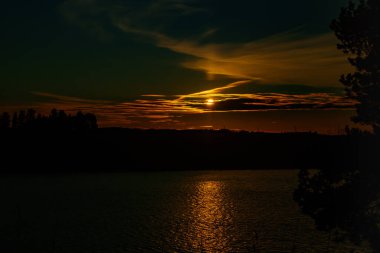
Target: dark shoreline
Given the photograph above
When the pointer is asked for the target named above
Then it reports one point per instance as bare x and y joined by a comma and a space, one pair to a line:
120, 150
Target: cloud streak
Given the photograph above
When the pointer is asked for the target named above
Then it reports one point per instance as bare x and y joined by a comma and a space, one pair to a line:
288, 57
159, 111
284, 58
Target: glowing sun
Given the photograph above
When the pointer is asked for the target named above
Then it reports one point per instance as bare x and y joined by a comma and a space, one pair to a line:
210, 101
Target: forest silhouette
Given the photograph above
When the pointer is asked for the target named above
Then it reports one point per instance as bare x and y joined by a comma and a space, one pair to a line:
57, 119
63, 143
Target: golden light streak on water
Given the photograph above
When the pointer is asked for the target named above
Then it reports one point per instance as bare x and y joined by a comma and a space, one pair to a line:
210, 219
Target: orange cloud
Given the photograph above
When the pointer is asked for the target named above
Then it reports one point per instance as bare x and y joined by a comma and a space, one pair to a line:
283, 58
159, 110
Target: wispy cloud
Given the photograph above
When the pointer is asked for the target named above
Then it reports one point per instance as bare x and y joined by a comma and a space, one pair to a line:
96, 16
289, 57
284, 58
86, 15
157, 111
178, 7
69, 99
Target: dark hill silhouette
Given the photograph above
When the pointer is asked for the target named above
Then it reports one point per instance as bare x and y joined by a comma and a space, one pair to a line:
63, 143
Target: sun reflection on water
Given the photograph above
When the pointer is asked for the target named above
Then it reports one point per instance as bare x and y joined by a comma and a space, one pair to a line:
210, 219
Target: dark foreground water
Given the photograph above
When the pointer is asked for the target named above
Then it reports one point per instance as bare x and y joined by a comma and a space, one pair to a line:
212, 211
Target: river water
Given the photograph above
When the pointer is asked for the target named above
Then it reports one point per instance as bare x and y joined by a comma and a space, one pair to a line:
190, 211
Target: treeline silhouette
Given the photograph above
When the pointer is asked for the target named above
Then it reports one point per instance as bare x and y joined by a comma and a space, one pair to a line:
345, 200
44, 149
57, 119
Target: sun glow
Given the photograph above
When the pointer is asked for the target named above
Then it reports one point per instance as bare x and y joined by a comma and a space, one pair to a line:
210, 102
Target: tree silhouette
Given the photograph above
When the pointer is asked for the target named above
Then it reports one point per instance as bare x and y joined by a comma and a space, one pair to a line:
341, 198
5, 120
21, 119
15, 120
92, 120
358, 29
57, 120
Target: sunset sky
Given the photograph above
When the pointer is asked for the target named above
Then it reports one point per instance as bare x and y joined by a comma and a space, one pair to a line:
256, 65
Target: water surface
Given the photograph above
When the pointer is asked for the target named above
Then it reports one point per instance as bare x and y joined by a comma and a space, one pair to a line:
204, 211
